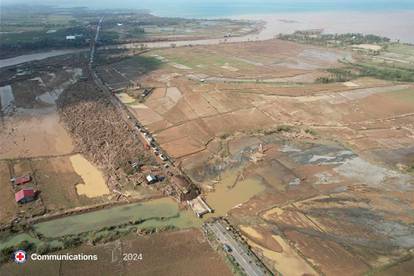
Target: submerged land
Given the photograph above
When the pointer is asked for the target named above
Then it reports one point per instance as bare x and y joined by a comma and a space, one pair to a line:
301, 144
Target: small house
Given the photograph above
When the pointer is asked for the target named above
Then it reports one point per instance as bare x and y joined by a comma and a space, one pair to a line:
163, 158
151, 178
227, 248
70, 37
25, 195
21, 180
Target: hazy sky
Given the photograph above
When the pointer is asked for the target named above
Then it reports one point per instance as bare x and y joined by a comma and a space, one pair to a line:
139, 3
227, 7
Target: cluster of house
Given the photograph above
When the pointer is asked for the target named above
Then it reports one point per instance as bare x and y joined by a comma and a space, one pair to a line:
184, 188
26, 194
151, 143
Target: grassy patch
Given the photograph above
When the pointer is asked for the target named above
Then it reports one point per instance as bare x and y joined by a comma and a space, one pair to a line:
7, 252
385, 72
410, 169
285, 128
339, 40
359, 70
194, 57
59, 19
384, 268
146, 63
402, 49
406, 95
311, 132
104, 235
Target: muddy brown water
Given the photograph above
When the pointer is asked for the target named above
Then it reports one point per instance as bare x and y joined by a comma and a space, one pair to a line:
93, 179
228, 195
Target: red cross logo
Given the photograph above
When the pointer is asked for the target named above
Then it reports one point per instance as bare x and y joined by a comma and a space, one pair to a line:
20, 256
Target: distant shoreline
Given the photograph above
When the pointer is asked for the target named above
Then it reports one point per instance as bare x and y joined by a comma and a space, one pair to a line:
394, 25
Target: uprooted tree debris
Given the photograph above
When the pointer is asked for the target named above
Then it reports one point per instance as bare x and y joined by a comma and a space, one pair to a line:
101, 134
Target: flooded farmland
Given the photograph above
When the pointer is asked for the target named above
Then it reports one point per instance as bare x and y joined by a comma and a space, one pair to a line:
231, 191
37, 56
153, 213
93, 180
6, 98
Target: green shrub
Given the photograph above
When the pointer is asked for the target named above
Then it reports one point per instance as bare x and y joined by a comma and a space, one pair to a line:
310, 131
43, 248
6, 253
285, 128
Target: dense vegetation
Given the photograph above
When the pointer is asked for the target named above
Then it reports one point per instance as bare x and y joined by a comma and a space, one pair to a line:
27, 28
358, 70
364, 66
6, 253
316, 37
34, 40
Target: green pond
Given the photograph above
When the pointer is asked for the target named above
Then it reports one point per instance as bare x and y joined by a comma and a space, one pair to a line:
156, 213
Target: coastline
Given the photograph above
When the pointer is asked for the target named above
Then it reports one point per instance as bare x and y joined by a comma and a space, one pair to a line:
396, 25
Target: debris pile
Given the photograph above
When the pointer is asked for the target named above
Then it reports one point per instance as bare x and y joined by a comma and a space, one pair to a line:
101, 134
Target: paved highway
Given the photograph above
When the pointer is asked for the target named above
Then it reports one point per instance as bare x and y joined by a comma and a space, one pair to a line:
238, 251
98, 29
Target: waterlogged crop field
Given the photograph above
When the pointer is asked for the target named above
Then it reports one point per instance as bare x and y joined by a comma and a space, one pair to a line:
154, 213
255, 126
140, 26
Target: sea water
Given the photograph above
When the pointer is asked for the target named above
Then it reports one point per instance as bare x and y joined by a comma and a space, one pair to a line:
225, 8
